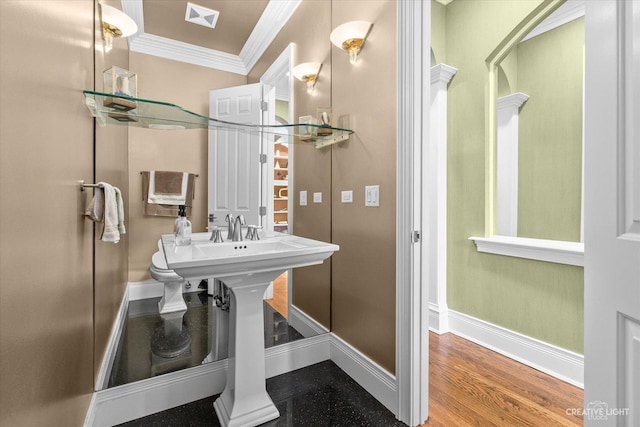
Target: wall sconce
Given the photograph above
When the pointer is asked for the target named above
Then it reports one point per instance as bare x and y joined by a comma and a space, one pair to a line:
350, 36
115, 23
308, 73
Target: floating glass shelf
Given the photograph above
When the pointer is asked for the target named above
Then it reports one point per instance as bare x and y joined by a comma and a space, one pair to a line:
124, 110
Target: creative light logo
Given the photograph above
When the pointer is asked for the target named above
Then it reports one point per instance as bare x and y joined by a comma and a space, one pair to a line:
597, 411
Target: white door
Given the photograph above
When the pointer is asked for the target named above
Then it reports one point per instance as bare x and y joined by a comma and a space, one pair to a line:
235, 178
612, 214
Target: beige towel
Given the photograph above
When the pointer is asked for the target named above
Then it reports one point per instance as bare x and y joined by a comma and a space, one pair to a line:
168, 188
110, 233
154, 209
95, 210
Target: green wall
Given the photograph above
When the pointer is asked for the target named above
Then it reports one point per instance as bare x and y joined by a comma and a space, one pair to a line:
550, 71
438, 33
539, 299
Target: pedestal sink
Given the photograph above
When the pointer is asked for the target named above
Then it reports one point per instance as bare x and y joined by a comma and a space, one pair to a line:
247, 268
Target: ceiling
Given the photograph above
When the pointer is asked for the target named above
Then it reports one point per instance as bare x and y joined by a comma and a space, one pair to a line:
243, 31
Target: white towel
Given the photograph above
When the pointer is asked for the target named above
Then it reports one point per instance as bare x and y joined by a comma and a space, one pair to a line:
95, 210
167, 199
120, 207
110, 232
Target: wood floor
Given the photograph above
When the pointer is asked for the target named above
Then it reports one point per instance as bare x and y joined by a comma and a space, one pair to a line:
470, 385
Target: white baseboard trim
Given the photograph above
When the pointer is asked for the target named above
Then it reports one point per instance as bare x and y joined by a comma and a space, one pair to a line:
145, 290
438, 319
131, 401
303, 323
112, 346
555, 361
372, 377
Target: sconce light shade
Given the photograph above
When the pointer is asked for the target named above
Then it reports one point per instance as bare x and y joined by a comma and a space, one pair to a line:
308, 73
350, 36
115, 23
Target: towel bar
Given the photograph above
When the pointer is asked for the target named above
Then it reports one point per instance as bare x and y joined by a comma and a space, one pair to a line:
83, 185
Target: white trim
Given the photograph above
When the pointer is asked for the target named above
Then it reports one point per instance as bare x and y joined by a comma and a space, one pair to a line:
508, 110
303, 323
144, 290
132, 401
439, 318
372, 377
555, 361
274, 17
560, 252
412, 203
569, 11
436, 184
112, 345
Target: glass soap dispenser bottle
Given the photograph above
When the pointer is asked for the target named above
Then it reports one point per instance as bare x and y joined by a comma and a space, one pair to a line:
183, 227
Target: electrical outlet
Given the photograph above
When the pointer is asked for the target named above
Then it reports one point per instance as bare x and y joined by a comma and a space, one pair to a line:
347, 196
303, 198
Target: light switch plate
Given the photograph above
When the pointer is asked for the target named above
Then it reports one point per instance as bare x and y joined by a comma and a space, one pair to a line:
372, 195
317, 197
303, 198
347, 196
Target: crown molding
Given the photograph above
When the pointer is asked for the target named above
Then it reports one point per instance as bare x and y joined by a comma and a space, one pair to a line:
274, 17
513, 100
442, 73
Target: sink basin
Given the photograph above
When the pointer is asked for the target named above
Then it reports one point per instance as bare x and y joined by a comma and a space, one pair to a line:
203, 258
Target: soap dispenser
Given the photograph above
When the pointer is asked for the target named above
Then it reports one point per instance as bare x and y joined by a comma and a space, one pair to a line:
183, 227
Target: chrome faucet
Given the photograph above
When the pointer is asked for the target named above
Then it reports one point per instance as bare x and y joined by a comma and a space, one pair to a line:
230, 230
237, 228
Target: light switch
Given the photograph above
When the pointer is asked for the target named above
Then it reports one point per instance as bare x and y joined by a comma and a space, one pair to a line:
317, 197
347, 196
303, 198
372, 195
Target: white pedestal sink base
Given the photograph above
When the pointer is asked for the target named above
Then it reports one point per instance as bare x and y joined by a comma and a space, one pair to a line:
244, 401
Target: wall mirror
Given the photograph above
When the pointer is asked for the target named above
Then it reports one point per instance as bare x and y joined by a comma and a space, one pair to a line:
535, 131
204, 333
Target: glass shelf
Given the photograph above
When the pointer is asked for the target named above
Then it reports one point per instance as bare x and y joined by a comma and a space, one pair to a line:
124, 110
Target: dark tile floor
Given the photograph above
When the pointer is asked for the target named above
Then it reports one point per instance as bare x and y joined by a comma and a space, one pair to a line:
152, 344
318, 395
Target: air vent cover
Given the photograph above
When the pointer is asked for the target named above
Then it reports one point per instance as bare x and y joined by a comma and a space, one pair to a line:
201, 15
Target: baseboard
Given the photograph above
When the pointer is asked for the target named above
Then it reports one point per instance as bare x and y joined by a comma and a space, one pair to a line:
303, 323
112, 346
132, 401
145, 290
372, 377
555, 361
438, 319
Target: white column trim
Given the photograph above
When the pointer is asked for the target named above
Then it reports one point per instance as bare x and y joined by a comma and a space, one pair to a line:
558, 251
507, 162
412, 322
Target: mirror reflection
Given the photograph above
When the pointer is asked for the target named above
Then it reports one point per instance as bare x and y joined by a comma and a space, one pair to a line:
539, 134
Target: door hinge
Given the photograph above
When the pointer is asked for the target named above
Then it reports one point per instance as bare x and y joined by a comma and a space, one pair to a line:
416, 236
264, 106
263, 158
263, 210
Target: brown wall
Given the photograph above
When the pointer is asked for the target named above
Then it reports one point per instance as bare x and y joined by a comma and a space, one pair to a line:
46, 146
111, 165
184, 150
355, 293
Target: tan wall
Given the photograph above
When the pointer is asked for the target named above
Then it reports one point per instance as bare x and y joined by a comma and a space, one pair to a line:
111, 165
364, 270
185, 150
46, 146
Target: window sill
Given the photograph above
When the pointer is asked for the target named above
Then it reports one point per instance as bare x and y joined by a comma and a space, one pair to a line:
570, 253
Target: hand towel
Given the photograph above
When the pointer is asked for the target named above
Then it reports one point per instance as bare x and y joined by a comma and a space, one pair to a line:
95, 210
110, 232
120, 207
168, 188
153, 209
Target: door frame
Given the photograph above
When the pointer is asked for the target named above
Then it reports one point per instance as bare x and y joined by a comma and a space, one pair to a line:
413, 260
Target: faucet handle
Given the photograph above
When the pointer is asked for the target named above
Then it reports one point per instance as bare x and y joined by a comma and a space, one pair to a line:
252, 232
216, 235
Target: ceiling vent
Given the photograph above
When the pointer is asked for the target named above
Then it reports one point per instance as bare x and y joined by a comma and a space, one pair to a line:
201, 15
